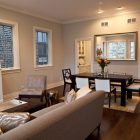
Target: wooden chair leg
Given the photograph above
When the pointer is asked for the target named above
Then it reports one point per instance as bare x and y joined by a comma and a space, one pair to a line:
98, 128
109, 97
115, 96
64, 89
129, 94
46, 98
19, 97
41, 99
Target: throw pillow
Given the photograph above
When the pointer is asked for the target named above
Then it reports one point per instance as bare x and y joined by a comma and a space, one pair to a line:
1, 132
82, 92
9, 121
70, 96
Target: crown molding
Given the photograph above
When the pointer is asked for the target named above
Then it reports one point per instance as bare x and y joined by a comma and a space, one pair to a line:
68, 21
99, 17
31, 14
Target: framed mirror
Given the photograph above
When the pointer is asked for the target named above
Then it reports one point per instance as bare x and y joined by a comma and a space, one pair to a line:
119, 46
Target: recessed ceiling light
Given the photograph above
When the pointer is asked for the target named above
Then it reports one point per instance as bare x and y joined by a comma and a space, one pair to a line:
100, 11
120, 8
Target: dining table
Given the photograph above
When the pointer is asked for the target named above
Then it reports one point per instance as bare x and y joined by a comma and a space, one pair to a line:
124, 80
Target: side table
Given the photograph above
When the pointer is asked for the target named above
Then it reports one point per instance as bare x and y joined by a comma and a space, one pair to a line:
53, 97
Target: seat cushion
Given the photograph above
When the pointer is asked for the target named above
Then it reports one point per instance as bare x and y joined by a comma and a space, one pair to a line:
30, 92
134, 87
68, 80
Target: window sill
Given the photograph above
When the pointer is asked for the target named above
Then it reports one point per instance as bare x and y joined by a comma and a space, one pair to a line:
11, 70
42, 67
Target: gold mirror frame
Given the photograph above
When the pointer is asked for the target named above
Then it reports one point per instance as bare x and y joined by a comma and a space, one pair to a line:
117, 46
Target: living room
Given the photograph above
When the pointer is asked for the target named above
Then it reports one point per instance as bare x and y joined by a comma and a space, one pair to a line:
64, 34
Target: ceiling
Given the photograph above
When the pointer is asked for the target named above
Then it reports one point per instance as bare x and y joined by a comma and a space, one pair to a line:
65, 11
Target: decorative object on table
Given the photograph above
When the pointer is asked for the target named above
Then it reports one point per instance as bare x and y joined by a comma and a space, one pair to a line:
103, 62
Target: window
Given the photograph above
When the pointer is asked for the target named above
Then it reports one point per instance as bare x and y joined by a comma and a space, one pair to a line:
116, 49
9, 48
43, 47
132, 49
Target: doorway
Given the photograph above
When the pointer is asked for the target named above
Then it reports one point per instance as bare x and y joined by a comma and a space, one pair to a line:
83, 55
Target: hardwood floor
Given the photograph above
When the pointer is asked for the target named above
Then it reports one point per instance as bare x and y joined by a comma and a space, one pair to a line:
116, 125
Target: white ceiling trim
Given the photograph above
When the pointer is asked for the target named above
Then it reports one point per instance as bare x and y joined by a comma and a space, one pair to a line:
30, 14
100, 17
65, 22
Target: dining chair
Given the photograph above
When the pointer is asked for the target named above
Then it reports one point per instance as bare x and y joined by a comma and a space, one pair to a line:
35, 88
83, 82
67, 79
104, 84
117, 83
134, 87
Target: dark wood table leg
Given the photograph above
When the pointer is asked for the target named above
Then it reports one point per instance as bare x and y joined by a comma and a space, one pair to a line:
129, 94
123, 93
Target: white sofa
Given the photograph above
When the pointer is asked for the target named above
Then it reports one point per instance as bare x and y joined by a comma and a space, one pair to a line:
73, 121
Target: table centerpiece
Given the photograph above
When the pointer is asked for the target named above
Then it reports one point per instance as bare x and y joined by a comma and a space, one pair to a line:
102, 61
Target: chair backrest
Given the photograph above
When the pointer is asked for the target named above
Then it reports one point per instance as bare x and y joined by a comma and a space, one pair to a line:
102, 84
66, 75
81, 82
36, 82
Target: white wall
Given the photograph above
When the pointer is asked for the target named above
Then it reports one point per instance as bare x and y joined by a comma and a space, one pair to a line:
14, 80
90, 28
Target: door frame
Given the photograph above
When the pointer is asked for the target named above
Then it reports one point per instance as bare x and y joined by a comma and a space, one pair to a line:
76, 52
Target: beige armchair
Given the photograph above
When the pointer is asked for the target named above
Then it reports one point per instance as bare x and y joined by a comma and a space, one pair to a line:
35, 88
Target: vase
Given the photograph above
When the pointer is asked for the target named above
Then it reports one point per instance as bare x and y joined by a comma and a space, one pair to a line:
102, 70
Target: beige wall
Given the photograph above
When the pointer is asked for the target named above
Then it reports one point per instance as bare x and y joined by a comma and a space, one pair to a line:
63, 46
13, 81
90, 28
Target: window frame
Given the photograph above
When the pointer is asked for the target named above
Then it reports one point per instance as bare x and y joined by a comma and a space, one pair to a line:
117, 48
49, 31
16, 58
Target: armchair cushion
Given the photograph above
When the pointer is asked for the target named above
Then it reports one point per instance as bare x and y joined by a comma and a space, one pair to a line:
36, 82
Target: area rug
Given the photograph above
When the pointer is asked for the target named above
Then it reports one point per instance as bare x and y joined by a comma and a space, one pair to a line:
131, 104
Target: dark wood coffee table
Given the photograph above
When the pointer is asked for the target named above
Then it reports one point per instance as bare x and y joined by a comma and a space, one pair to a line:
13, 105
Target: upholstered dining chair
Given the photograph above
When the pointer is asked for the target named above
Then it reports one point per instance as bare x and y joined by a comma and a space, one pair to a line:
35, 88
81, 82
67, 79
104, 84
134, 87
